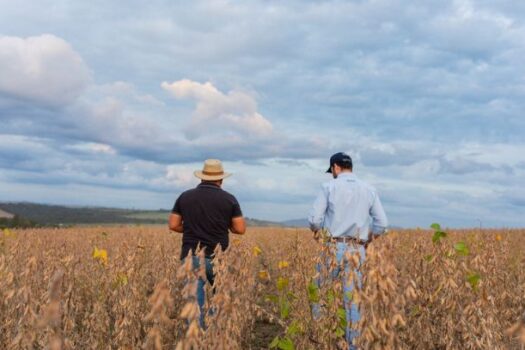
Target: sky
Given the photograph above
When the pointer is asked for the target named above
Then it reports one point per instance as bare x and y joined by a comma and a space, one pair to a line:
116, 103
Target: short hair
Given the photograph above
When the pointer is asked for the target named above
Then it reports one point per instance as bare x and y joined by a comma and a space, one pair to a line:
344, 165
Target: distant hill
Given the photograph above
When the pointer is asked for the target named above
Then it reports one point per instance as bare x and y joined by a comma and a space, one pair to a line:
45, 214
296, 223
261, 223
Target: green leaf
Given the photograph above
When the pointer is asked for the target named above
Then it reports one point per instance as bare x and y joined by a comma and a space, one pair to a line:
436, 226
294, 328
282, 283
339, 332
428, 257
285, 309
461, 248
330, 296
473, 278
438, 235
313, 292
275, 342
341, 316
286, 344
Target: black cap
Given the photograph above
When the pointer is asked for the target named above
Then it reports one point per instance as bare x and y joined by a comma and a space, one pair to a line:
341, 159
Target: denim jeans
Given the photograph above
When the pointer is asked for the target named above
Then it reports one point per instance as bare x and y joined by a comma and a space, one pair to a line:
352, 310
201, 283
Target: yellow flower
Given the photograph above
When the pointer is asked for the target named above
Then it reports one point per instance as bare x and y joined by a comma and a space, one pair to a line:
264, 275
283, 264
257, 251
498, 237
8, 233
100, 255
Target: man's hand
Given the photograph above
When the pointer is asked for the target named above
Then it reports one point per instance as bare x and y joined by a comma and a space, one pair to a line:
321, 235
372, 237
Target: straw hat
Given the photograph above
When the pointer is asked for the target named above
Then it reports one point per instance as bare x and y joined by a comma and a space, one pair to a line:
211, 171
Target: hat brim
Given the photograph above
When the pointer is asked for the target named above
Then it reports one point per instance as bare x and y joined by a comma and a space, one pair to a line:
202, 176
329, 170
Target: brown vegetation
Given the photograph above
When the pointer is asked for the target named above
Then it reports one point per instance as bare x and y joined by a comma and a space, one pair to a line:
125, 288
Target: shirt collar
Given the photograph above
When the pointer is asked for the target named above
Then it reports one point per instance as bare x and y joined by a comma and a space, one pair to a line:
208, 185
346, 175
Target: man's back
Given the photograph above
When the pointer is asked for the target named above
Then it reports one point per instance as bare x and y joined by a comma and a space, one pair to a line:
207, 213
345, 206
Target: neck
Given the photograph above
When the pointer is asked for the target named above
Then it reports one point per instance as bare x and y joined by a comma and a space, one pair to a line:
216, 183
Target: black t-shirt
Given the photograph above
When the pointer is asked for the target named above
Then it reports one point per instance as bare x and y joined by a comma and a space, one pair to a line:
207, 212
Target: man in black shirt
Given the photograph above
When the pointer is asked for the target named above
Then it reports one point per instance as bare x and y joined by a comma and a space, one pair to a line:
204, 215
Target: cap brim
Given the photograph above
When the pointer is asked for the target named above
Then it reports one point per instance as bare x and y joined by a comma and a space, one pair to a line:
329, 170
202, 176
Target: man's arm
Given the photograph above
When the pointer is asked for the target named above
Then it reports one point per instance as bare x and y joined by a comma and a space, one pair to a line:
316, 217
175, 222
238, 225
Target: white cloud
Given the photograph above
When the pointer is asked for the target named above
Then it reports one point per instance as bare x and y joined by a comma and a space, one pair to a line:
217, 112
44, 69
127, 91
181, 176
93, 147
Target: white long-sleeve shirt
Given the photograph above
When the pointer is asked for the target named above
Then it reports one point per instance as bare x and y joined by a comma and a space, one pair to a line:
345, 206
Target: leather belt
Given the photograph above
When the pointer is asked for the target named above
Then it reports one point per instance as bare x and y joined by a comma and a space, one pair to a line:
346, 239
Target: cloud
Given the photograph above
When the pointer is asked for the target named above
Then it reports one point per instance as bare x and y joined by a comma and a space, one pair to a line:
129, 92
515, 197
92, 147
426, 97
21, 152
469, 29
231, 114
405, 153
181, 176
43, 69
460, 166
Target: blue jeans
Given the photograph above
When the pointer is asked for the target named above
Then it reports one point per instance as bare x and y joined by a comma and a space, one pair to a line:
201, 297
352, 310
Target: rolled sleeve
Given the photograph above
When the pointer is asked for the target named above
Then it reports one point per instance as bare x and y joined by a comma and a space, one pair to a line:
236, 209
176, 207
317, 214
379, 219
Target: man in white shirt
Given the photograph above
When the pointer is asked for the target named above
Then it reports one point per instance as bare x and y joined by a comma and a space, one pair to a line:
346, 208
